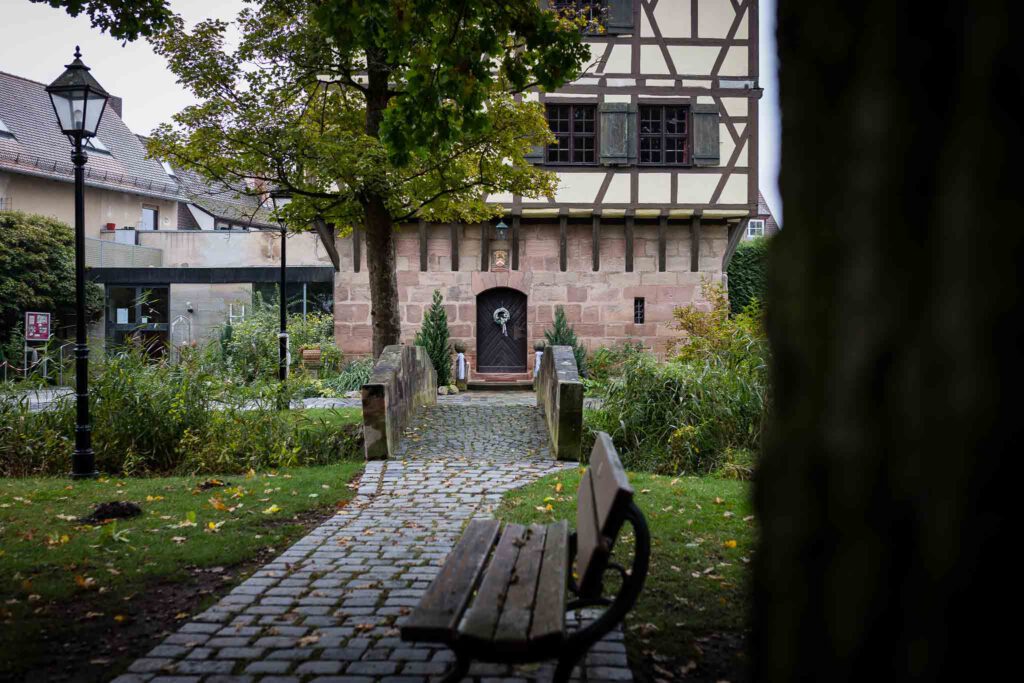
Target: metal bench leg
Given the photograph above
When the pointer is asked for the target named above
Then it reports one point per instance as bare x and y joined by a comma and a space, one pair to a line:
566, 663
459, 669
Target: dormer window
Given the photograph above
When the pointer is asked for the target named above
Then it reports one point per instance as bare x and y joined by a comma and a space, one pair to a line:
5, 132
94, 144
168, 170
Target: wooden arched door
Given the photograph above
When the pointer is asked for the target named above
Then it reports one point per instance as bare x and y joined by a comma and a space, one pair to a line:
501, 348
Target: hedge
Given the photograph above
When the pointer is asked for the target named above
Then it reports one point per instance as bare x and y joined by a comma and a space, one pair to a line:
747, 272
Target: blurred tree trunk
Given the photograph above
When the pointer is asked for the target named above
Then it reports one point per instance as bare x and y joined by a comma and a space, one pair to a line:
895, 315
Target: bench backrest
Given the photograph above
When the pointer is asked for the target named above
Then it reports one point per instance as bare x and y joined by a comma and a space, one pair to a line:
602, 501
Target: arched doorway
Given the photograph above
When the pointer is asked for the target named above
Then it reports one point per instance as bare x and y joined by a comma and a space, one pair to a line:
501, 348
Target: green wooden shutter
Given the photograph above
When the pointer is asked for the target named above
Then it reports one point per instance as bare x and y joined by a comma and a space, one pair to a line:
705, 135
618, 134
620, 16
536, 154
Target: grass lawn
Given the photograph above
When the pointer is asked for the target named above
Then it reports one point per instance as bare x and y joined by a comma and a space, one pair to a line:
61, 580
691, 618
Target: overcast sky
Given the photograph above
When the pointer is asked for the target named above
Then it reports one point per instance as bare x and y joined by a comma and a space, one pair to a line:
37, 40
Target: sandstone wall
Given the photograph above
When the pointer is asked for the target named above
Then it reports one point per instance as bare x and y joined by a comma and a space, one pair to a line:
598, 304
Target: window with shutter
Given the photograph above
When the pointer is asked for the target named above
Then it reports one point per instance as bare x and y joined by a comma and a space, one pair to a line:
574, 127
664, 134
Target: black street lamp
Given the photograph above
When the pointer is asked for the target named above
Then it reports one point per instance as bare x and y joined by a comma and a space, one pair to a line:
78, 101
279, 198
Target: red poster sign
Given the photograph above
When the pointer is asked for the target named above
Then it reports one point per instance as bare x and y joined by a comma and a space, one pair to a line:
37, 326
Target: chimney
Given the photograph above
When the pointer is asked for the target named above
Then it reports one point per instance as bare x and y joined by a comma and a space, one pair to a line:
115, 104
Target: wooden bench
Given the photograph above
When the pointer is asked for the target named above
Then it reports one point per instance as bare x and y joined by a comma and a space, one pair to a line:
503, 594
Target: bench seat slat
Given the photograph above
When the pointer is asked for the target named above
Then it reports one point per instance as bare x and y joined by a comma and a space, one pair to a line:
549, 613
512, 634
482, 616
437, 616
591, 550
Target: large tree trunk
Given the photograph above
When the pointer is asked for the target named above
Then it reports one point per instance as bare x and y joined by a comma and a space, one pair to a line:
380, 258
895, 315
380, 237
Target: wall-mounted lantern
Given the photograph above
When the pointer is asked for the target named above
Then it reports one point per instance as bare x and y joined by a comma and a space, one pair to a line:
501, 231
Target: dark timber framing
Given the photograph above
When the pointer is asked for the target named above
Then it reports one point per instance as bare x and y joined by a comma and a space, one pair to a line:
595, 244
423, 245
671, 84
515, 242
485, 247
454, 235
695, 243
563, 237
356, 256
629, 244
662, 229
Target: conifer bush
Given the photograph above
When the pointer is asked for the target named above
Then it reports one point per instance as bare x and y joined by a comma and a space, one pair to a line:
433, 336
562, 334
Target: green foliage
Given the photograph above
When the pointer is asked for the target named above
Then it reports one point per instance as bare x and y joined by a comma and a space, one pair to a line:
155, 417
433, 336
124, 20
562, 334
703, 411
607, 362
248, 350
748, 273
352, 377
37, 273
429, 131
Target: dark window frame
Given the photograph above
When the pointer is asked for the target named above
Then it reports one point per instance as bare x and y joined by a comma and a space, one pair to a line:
663, 136
639, 310
573, 135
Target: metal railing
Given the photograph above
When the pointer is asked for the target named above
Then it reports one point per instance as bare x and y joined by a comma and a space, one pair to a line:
106, 254
67, 169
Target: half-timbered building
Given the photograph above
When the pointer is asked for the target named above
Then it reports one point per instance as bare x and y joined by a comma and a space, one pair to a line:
656, 154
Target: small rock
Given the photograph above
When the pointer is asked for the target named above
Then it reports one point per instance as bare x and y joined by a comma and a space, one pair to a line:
442, 391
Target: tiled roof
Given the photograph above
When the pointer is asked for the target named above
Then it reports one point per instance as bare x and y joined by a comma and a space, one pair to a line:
38, 147
222, 202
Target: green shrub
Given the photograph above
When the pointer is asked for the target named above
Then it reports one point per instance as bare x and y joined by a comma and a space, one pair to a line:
748, 273
248, 350
154, 417
562, 334
700, 412
351, 378
607, 362
37, 273
433, 336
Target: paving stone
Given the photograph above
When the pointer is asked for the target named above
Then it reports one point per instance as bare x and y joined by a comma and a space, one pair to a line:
352, 580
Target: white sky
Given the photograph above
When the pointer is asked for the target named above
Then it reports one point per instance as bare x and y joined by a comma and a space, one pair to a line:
36, 41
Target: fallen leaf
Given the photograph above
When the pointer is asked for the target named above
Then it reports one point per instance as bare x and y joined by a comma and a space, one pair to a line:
731, 543
273, 509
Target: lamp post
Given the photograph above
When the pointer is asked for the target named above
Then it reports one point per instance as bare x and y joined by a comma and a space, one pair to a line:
78, 101
279, 198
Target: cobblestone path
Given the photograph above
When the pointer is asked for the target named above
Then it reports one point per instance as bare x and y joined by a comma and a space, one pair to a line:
326, 610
